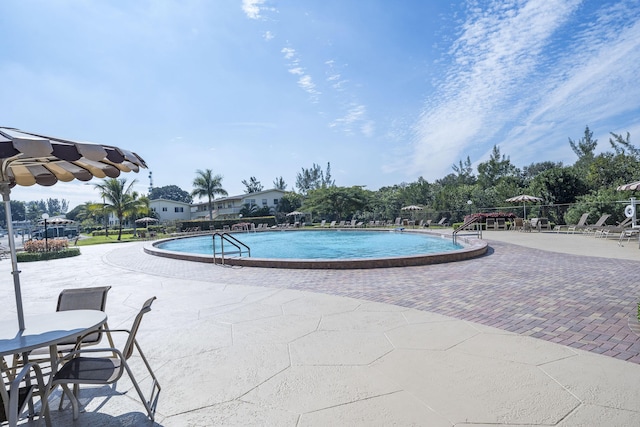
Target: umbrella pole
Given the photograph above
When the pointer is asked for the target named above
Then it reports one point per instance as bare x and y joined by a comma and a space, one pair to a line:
4, 188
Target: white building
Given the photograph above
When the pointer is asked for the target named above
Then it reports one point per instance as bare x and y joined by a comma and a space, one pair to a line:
233, 204
170, 210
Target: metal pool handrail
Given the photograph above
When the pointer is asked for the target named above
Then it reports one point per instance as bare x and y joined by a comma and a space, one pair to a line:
466, 224
231, 240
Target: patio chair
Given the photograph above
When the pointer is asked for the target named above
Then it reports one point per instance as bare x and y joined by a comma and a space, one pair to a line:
81, 369
18, 391
517, 224
540, 223
501, 224
491, 223
332, 224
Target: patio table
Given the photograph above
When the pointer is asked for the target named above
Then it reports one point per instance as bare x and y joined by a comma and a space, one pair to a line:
47, 330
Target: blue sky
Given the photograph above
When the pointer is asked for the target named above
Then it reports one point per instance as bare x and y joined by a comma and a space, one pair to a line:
387, 91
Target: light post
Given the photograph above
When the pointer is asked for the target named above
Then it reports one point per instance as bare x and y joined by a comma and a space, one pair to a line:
45, 217
469, 203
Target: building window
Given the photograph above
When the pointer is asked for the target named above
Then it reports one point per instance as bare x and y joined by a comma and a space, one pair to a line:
230, 205
153, 209
264, 202
275, 202
164, 209
179, 209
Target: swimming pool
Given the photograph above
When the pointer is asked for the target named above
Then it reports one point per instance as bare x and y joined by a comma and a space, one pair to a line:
333, 249
329, 244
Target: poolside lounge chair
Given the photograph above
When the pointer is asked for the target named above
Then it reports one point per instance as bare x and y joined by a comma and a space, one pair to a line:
332, 224
598, 225
81, 369
398, 222
323, 223
608, 230
443, 222
581, 223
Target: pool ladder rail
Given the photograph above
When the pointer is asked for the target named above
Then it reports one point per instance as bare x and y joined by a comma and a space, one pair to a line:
472, 224
239, 247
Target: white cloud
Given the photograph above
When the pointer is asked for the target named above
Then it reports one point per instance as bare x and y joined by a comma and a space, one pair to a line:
289, 53
268, 36
252, 8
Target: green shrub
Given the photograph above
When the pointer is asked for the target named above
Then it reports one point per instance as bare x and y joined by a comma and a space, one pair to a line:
43, 256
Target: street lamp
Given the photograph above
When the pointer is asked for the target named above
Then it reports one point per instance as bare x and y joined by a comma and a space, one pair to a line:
45, 217
469, 203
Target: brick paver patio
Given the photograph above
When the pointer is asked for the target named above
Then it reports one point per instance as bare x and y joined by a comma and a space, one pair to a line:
581, 302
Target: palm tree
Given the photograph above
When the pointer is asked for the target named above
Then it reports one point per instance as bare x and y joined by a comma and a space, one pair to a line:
118, 199
208, 185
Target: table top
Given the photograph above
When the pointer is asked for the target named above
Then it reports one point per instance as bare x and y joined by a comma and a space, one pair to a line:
44, 330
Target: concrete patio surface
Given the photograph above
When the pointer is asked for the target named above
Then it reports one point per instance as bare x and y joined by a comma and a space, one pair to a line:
521, 336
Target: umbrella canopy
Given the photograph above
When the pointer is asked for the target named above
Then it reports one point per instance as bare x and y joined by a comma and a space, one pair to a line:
295, 213
629, 187
57, 221
412, 208
146, 219
524, 198
28, 158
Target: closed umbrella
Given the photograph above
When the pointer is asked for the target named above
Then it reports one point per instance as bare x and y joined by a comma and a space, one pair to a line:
524, 198
28, 158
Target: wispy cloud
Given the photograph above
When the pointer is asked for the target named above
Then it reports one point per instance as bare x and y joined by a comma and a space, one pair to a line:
355, 120
305, 81
508, 81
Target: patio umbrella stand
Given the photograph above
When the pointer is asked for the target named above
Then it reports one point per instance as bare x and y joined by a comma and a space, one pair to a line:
28, 158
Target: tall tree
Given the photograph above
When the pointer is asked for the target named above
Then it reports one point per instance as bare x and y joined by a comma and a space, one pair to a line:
498, 166
253, 185
584, 149
279, 184
118, 198
206, 184
314, 178
464, 172
170, 192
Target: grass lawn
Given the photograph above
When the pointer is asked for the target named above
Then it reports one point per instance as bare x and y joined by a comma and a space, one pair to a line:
98, 240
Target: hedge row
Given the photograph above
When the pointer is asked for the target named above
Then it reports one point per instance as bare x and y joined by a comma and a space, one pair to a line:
43, 256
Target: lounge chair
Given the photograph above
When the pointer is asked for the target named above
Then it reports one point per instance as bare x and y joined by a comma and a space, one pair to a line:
443, 222
581, 223
491, 223
332, 224
598, 225
341, 224
608, 230
501, 224
323, 223
81, 369
398, 222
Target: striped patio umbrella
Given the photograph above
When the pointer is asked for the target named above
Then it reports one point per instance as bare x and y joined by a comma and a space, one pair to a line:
28, 158
629, 187
524, 198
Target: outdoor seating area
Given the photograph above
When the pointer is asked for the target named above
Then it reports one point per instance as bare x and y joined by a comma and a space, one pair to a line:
62, 348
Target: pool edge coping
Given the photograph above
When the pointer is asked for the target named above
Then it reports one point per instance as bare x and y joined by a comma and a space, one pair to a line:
472, 248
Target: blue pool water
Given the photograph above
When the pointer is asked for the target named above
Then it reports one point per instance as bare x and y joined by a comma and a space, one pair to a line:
328, 244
